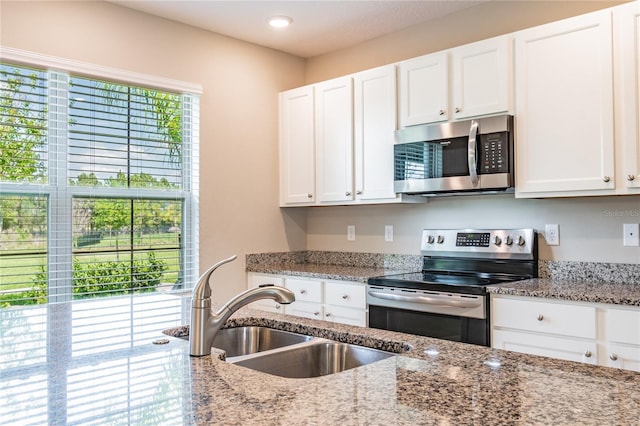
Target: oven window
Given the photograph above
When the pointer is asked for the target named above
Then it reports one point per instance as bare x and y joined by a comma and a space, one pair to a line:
447, 327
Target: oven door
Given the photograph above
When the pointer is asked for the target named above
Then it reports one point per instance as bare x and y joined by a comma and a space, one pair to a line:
456, 317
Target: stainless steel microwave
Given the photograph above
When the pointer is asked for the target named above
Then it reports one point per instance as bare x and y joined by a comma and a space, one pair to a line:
448, 158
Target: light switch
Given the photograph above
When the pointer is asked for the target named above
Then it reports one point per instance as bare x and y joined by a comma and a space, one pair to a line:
630, 237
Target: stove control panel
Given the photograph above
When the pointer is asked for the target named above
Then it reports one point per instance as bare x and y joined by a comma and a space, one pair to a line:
481, 243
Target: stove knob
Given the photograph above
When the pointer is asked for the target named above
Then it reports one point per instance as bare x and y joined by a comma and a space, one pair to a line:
520, 241
440, 239
430, 239
497, 240
509, 240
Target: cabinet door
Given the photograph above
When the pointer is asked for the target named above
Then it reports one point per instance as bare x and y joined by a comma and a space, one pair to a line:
297, 149
622, 356
375, 123
334, 139
564, 107
306, 310
424, 89
255, 280
626, 24
481, 78
357, 317
545, 345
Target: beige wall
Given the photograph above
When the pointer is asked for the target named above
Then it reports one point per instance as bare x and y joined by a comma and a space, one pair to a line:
590, 228
476, 23
239, 131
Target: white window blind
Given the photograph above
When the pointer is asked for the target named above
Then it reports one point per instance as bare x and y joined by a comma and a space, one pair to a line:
98, 224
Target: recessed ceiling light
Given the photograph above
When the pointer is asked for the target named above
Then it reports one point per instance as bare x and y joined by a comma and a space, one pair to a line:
280, 21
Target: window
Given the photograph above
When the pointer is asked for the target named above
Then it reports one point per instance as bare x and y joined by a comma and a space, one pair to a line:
98, 229
96, 179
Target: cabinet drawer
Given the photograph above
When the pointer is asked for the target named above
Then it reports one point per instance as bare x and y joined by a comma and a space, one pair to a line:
545, 317
623, 326
305, 290
345, 294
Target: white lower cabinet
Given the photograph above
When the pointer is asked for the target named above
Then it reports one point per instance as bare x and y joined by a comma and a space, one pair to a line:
592, 333
549, 346
336, 301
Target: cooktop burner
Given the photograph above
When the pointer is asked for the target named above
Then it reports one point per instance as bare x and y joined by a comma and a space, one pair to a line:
467, 283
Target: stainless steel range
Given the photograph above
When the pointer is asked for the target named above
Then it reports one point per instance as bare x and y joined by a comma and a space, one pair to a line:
447, 299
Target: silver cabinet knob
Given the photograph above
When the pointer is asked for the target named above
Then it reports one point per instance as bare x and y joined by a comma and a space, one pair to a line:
613, 357
345, 296
316, 314
303, 291
606, 178
587, 354
328, 314
630, 177
441, 112
348, 194
540, 317
278, 306
458, 109
309, 195
358, 192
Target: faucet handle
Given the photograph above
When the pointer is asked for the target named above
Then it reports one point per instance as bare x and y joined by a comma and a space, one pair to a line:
202, 290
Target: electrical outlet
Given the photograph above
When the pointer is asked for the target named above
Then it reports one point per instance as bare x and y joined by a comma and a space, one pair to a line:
552, 234
351, 232
388, 233
630, 236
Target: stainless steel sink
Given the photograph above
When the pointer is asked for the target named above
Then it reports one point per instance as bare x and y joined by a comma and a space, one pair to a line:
286, 354
313, 359
241, 341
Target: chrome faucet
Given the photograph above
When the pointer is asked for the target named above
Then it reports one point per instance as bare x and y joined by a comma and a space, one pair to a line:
205, 323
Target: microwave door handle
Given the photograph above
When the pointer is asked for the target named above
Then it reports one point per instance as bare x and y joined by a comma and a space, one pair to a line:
473, 153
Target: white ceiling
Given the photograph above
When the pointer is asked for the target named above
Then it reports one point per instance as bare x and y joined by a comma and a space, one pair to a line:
319, 26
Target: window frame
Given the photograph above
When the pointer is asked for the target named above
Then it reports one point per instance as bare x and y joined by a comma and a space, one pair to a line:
57, 189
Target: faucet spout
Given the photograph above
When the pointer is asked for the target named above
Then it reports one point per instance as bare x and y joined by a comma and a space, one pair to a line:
205, 323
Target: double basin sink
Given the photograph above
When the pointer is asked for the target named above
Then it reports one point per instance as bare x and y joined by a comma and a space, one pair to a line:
293, 355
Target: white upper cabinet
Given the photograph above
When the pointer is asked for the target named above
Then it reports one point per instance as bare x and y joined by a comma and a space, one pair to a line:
481, 78
374, 124
297, 147
424, 89
626, 47
334, 139
564, 107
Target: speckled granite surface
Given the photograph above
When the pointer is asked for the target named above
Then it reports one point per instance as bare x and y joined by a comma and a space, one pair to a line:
578, 281
344, 266
579, 291
130, 380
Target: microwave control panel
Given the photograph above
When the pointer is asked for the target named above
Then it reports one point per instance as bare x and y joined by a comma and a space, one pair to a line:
494, 153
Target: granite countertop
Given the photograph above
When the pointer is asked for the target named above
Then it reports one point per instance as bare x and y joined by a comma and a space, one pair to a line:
577, 291
429, 382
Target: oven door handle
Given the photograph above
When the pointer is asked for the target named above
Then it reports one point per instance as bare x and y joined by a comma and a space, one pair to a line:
428, 300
